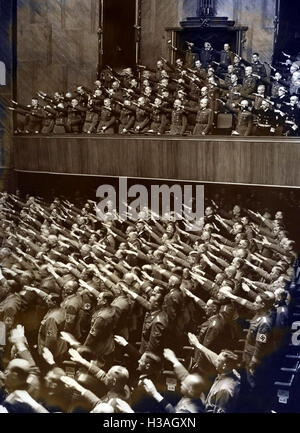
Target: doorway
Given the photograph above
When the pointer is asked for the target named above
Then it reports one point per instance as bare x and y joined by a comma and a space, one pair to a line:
119, 19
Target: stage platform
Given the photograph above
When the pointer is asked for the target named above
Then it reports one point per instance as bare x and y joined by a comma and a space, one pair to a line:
250, 160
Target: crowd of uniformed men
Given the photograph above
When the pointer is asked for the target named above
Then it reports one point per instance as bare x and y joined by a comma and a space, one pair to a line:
107, 315
219, 93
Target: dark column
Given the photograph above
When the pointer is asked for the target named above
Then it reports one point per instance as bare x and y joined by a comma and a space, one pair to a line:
7, 89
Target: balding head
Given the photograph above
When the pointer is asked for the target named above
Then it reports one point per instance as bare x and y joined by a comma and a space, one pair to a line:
192, 386
16, 374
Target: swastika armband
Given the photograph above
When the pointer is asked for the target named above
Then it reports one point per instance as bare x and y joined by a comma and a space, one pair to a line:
51, 332
262, 338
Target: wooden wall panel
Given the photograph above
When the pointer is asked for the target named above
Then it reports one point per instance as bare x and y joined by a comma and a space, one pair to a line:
57, 45
251, 161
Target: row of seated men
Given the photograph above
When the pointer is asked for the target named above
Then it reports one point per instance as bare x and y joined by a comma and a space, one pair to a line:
78, 294
230, 96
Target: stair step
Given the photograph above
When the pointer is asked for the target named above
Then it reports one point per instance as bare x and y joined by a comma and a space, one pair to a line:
291, 370
288, 384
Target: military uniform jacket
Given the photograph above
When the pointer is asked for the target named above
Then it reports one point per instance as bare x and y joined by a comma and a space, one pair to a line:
158, 333
126, 119
90, 116
178, 118
244, 122
265, 117
227, 79
223, 394
157, 115
275, 87
234, 93
257, 102
226, 58
100, 338
91, 120
49, 332
239, 71
259, 341
141, 115
249, 85
60, 116
206, 56
74, 117
122, 306
280, 102
200, 72
293, 114
107, 115
146, 330
259, 69
36, 114
204, 119
209, 331
72, 304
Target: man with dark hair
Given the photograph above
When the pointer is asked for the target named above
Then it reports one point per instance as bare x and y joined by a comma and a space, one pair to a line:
100, 338
208, 336
224, 393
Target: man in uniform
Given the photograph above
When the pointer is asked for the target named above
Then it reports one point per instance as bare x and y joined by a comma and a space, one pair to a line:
266, 120
100, 338
293, 117
257, 67
249, 82
204, 119
259, 346
127, 118
74, 119
208, 335
226, 59
224, 393
142, 117
207, 55
244, 120
107, 119
234, 93
238, 68
179, 119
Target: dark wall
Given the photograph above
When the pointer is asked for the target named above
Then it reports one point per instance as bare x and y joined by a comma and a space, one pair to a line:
7, 88
289, 29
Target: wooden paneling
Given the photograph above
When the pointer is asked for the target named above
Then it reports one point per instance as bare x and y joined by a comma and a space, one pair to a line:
251, 161
57, 45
